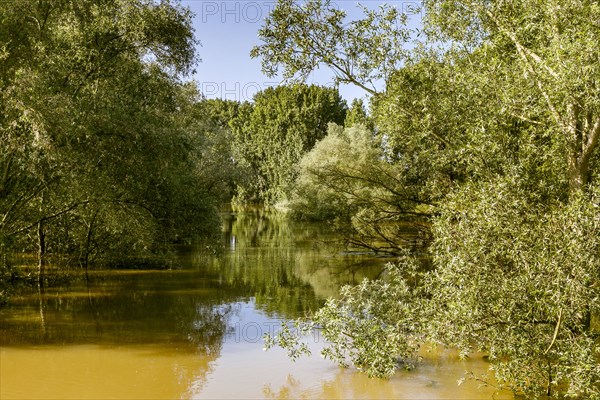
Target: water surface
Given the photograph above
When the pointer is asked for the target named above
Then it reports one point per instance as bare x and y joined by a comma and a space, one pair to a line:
196, 331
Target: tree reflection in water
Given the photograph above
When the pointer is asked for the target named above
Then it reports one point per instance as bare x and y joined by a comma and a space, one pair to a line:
269, 270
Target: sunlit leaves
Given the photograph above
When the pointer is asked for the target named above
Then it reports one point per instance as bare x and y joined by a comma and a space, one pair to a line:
299, 37
519, 280
371, 326
553, 47
347, 180
284, 123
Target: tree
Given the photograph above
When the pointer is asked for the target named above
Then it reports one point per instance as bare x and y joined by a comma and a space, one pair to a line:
215, 120
357, 115
497, 128
285, 123
554, 47
93, 152
300, 37
518, 279
346, 180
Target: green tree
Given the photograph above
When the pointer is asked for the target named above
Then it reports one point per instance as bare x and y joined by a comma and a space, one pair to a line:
498, 129
346, 180
357, 115
553, 46
94, 153
215, 121
285, 123
518, 279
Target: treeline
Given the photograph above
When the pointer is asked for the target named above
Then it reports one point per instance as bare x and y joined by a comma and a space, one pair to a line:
483, 149
270, 135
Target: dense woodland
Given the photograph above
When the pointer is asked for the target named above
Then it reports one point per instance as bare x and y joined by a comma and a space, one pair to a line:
475, 165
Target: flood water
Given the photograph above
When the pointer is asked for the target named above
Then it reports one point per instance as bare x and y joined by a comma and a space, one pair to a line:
196, 331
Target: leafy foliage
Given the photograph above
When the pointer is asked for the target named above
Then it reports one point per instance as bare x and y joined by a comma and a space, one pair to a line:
357, 115
373, 326
493, 123
346, 179
553, 46
285, 123
300, 37
95, 159
519, 280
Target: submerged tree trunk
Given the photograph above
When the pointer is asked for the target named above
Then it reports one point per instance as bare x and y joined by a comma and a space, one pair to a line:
41, 272
41, 253
88, 241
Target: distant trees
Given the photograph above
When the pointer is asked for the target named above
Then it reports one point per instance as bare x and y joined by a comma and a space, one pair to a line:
258, 144
358, 115
285, 122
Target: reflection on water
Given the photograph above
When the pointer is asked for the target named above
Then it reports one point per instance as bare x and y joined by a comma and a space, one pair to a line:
196, 332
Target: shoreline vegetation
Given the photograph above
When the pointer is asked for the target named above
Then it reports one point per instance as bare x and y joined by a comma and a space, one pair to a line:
475, 148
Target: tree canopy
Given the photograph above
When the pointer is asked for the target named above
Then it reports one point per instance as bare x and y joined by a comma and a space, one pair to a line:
490, 127
284, 124
96, 157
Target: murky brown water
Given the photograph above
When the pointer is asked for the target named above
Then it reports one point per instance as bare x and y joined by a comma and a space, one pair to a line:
196, 332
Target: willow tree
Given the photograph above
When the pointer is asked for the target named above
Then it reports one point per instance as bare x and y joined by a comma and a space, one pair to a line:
347, 181
285, 122
499, 128
91, 139
554, 47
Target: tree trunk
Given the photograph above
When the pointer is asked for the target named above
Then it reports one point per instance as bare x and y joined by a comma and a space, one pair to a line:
582, 133
578, 174
88, 242
41, 253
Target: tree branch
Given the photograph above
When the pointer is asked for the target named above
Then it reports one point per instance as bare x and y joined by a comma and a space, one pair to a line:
20, 200
555, 332
524, 52
49, 217
592, 140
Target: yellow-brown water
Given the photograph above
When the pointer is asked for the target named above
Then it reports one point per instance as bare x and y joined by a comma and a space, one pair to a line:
196, 332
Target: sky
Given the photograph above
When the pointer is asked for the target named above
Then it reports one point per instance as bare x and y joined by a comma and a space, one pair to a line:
227, 31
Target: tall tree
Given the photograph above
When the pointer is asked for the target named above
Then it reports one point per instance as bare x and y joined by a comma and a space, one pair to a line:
90, 139
285, 123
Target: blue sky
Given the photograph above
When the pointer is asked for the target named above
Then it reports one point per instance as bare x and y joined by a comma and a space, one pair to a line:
228, 29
